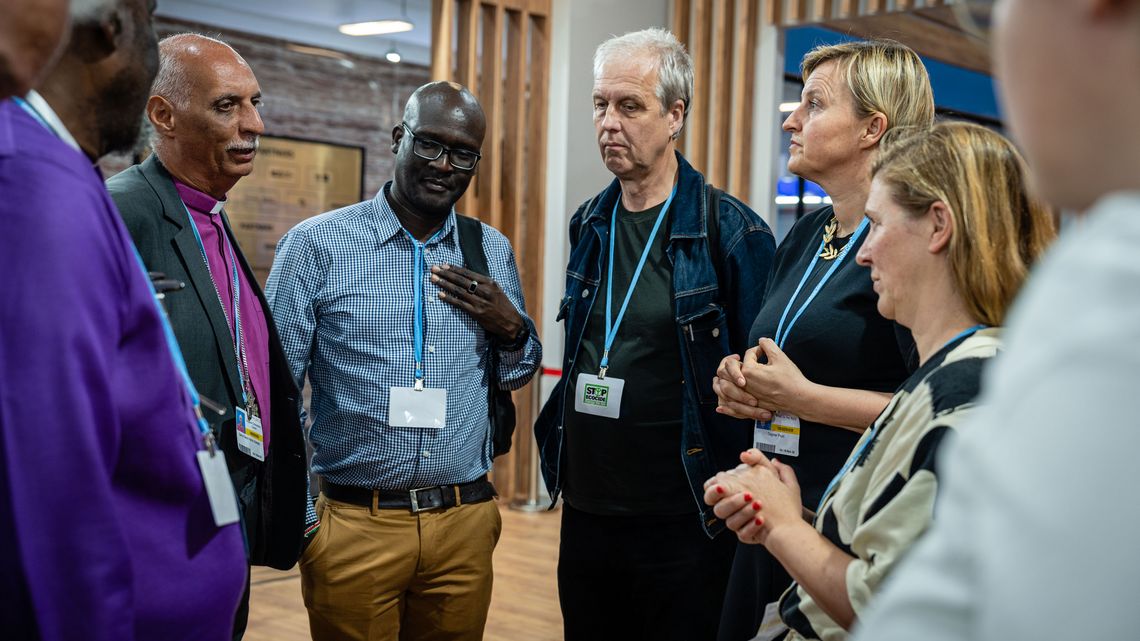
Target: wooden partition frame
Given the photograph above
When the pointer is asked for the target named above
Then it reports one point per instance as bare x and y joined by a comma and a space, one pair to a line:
500, 50
722, 37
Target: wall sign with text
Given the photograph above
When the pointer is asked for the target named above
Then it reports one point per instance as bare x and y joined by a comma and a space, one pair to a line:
292, 179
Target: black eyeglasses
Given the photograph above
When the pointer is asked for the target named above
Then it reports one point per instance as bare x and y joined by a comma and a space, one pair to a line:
429, 149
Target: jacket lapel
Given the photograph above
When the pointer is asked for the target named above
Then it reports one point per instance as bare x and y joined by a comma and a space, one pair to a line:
186, 246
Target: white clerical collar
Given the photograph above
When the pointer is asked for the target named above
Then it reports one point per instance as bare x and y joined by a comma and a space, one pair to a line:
51, 119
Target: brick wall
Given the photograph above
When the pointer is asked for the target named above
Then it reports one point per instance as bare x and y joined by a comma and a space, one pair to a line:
318, 98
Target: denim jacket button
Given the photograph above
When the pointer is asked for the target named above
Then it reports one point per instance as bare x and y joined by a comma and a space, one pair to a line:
716, 332
585, 293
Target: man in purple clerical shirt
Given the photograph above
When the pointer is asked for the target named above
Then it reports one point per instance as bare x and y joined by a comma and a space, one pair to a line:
204, 111
107, 532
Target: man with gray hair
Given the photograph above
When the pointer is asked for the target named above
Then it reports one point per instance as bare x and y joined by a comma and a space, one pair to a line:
630, 431
118, 521
204, 110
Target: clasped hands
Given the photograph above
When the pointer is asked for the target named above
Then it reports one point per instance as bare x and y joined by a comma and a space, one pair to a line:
755, 499
750, 389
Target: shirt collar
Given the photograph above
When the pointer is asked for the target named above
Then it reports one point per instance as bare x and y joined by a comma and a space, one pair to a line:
197, 200
388, 225
44, 110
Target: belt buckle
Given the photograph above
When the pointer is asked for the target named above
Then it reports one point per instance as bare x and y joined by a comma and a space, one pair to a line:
416, 509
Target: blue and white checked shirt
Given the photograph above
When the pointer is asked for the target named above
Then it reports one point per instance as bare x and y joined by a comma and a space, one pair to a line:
341, 295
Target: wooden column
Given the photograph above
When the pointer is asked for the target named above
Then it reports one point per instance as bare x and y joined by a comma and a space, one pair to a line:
502, 54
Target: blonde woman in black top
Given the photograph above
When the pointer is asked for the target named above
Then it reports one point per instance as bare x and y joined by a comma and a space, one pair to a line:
825, 361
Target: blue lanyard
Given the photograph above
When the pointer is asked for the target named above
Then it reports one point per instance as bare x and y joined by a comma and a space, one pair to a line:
179, 362
782, 332
242, 365
23, 104
171, 343
418, 291
612, 325
867, 441
969, 331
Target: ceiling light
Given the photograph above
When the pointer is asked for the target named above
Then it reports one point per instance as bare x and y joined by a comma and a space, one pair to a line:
375, 27
788, 107
393, 56
379, 27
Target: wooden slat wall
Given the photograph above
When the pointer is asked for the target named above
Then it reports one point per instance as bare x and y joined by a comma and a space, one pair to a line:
721, 110
722, 37
743, 81
693, 20
501, 52
793, 12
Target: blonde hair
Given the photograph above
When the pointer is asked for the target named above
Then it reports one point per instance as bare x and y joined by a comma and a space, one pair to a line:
884, 76
1000, 227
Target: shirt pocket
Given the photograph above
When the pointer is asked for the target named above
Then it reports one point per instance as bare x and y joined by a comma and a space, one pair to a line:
705, 336
563, 309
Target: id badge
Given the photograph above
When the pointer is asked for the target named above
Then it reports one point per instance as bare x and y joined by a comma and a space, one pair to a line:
781, 435
410, 407
250, 438
771, 626
219, 487
598, 396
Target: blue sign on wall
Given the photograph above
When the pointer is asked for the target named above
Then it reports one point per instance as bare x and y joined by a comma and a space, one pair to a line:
955, 88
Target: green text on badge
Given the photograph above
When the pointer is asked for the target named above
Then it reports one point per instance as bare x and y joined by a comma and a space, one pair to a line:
597, 395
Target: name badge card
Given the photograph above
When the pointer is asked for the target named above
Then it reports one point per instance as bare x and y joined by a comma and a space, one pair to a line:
771, 626
781, 435
598, 396
411, 407
219, 487
250, 438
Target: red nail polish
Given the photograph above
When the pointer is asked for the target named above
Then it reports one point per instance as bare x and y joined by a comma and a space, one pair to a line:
747, 497
759, 521
756, 505
719, 490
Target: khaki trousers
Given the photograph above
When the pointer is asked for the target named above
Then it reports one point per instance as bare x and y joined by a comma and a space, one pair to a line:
388, 575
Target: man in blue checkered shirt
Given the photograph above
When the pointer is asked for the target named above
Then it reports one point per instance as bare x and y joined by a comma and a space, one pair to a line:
372, 302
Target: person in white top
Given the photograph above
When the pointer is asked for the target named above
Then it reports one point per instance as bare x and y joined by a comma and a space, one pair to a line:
1034, 535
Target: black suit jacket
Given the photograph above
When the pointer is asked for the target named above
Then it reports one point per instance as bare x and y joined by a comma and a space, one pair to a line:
272, 494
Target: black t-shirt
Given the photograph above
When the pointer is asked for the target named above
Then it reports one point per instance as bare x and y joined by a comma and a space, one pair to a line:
632, 464
839, 341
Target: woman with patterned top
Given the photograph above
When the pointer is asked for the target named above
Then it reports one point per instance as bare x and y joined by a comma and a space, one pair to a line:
825, 362
953, 233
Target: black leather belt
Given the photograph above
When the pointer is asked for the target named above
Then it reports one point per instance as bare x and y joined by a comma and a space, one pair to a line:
439, 497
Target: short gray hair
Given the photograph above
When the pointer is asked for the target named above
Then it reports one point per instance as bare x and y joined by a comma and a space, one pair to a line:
171, 82
668, 56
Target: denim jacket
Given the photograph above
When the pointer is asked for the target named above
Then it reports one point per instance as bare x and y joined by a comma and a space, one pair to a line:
712, 320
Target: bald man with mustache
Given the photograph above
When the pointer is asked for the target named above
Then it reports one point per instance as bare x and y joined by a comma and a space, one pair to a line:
204, 109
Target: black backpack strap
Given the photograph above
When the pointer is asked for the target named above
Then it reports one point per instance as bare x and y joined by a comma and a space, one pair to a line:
712, 195
471, 244
500, 406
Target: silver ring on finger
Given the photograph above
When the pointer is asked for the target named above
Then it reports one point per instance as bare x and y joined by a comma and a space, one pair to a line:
471, 288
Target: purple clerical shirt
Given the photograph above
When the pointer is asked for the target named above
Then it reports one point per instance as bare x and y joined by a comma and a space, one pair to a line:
106, 532
206, 212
